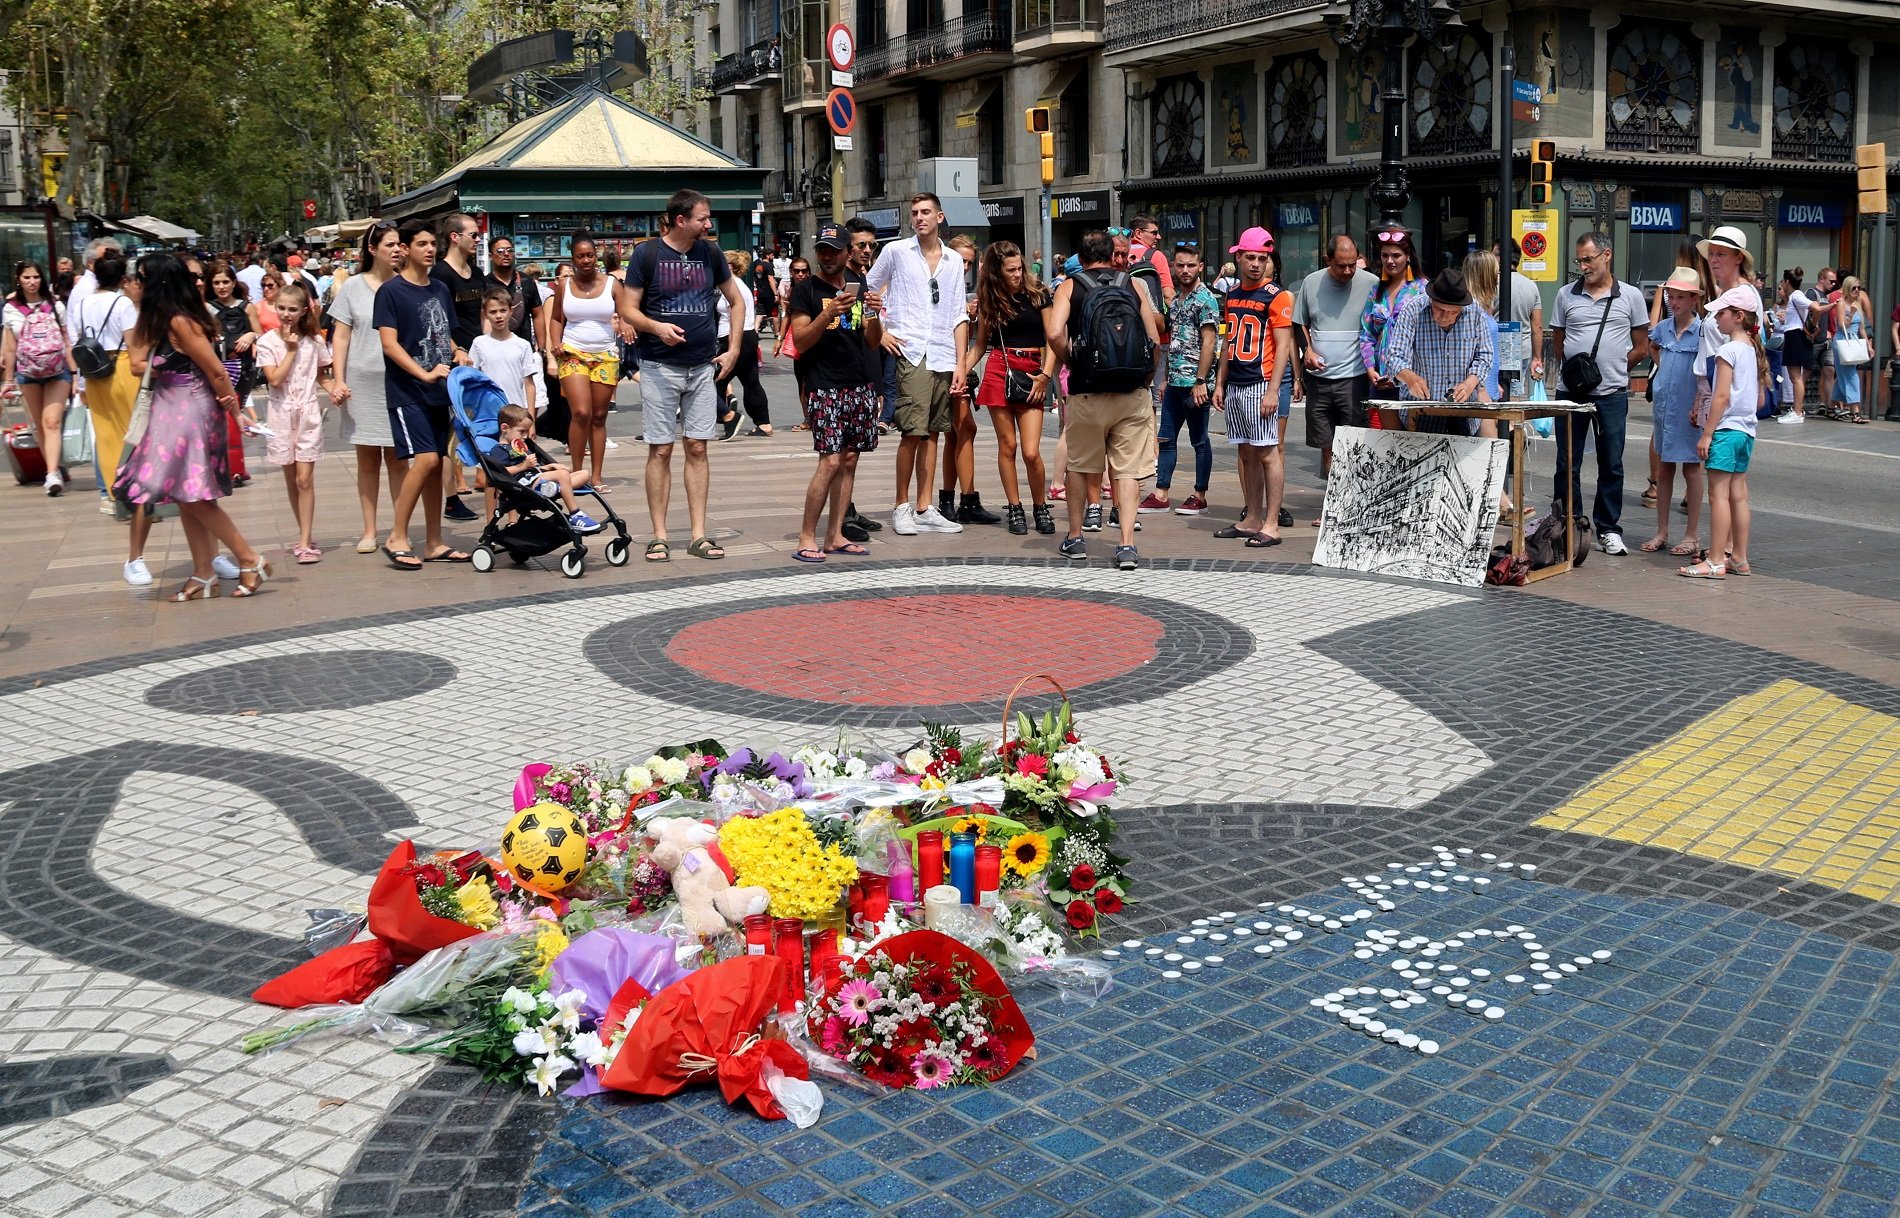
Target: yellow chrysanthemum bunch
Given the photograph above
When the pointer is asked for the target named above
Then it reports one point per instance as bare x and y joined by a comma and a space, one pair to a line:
779, 853
477, 903
551, 942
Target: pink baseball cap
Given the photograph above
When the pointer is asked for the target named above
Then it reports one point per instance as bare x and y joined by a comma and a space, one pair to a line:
1254, 241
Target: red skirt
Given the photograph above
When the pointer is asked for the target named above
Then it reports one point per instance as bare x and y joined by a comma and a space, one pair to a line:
989, 391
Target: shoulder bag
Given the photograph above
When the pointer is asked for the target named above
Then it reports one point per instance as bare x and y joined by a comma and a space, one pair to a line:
1850, 349
1580, 374
1017, 384
135, 429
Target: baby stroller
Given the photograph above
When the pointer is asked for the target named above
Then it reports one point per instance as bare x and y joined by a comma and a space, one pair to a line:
539, 522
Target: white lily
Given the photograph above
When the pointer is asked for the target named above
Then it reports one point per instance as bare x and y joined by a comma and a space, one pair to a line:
588, 1048
521, 1000
547, 1072
529, 1042
567, 1009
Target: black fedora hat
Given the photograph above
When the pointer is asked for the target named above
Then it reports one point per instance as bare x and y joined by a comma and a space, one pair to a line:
1448, 288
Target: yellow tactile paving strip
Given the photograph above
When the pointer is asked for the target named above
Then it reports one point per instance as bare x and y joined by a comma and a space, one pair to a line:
1791, 780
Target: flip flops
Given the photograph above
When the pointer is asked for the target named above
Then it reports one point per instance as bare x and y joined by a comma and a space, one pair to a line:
849, 547
449, 555
402, 560
809, 555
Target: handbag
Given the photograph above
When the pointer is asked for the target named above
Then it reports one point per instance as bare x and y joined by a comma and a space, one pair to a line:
75, 446
1580, 373
1018, 385
135, 429
1850, 350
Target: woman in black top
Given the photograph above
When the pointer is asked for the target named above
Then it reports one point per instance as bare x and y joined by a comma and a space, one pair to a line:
1011, 312
237, 324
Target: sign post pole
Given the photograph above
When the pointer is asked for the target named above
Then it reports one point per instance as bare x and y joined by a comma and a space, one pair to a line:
842, 51
1049, 260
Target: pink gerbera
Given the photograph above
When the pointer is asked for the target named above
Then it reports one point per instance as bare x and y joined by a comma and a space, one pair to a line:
831, 1038
856, 998
932, 1069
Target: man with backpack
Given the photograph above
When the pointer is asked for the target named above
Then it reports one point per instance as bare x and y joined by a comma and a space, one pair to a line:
1259, 320
1106, 331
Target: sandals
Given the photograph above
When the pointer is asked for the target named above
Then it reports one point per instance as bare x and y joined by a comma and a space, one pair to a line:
1649, 496
402, 560
1686, 549
195, 589
1231, 531
306, 555
1654, 544
849, 547
706, 547
1738, 568
1703, 570
263, 572
449, 554
659, 551
809, 555
1260, 541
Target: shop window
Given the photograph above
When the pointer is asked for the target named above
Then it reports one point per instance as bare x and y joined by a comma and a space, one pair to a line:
1072, 128
1179, 135
929, 120
1296, 112
1814, 102
875, 181
992, 140
1655, 89
1451, 99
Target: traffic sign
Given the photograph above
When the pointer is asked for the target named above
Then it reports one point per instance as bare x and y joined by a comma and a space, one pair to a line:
841, 143
841, 111
1525, 91
840, 47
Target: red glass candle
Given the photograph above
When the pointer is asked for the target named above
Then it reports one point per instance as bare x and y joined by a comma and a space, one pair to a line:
929, 859
791, 949
877, 898
854, 901
758, 934
989, 875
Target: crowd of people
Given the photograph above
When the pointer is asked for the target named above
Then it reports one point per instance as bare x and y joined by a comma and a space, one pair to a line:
1128, 343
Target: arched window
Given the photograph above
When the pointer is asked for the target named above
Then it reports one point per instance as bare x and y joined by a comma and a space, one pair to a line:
1451, 99
1180, 127
1655, 85
1296, 111
1814, 102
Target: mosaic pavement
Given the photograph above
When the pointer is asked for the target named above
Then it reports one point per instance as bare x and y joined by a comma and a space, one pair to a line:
170, 817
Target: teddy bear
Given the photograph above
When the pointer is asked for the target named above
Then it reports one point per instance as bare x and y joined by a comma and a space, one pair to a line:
709, 902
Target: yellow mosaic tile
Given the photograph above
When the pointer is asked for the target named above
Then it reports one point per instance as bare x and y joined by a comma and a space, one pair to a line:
1791, 780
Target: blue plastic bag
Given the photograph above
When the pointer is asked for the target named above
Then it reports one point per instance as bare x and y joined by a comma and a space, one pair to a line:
1541, 428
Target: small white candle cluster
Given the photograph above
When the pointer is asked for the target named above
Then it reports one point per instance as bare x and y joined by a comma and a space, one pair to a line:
1425, 970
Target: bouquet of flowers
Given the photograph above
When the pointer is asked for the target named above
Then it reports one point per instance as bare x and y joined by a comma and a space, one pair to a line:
591, 790
921, 1010
780, 853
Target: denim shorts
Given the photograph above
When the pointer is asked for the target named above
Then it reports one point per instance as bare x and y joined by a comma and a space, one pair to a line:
21, 378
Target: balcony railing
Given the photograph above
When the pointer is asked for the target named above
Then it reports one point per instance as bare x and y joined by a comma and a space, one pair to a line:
758, 62
958, 38
1134, 23
1040, 18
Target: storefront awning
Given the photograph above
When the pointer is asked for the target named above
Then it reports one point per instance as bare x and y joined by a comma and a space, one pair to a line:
155, 229
966, 117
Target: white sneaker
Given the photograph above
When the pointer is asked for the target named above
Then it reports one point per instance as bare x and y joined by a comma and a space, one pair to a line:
904, 520
54, 483
1788, 417
611, 444
225, 566
1613, 544
930, 520
136, 573
105, 506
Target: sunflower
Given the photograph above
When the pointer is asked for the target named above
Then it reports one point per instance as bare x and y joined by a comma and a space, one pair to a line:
972, 824
1026, 854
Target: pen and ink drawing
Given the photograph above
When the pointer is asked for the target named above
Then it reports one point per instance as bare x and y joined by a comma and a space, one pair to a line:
1411, 504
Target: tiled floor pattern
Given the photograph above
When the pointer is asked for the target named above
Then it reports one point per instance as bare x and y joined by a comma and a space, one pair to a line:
1718, 1063
1790, 779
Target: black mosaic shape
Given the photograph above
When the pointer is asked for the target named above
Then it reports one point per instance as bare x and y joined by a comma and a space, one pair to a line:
1194, 644
311, 681
61, 1086
454, 1147
54, 900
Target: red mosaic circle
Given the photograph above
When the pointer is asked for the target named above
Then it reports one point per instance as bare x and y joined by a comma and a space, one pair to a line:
916, 650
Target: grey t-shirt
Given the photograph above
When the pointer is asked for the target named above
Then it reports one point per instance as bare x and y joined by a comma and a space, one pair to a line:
1330, 311
1525, 300
1577, 314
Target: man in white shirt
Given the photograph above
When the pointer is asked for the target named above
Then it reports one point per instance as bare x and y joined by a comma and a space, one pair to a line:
87, 284
921, 281
252, 277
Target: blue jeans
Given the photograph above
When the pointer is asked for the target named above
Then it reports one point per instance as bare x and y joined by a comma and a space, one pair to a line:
1177, 407
1609, 422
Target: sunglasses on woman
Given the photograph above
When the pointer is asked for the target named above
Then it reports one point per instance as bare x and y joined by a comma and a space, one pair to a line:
1187, 247
1395, 237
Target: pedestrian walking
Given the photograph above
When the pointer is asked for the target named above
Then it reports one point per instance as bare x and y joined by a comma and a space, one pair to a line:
1259, 320
1676, 339
102, 319
745, 370
359, 368
183, 456
1728, 431
1011, 328
455, 268
581, 327
527, 308
294, 358
1106, 331
671, 286
1327, 309
36, 364
1187, 398
921, 282
835, 315
1599, 330
414, 319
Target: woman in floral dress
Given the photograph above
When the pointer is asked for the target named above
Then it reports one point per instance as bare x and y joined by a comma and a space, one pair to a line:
184, 455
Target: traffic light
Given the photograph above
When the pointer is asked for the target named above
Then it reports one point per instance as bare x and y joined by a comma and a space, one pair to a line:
1036, 118
1543, 164
1871, 162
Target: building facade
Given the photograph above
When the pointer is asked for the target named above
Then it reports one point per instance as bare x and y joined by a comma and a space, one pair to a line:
1667, 121
929, 82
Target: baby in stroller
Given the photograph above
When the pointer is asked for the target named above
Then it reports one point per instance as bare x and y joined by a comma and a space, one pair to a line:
517, 456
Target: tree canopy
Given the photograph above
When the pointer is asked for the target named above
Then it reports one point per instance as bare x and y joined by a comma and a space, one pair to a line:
226, 114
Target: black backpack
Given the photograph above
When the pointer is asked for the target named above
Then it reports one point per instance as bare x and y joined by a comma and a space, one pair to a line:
1110, 351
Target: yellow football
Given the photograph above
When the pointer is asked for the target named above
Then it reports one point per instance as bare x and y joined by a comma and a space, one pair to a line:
545, 846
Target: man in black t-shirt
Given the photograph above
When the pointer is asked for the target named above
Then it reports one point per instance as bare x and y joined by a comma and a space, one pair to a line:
455, 269
526, 316
835, 326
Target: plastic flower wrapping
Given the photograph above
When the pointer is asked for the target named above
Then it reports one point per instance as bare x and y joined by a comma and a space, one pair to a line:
558, 955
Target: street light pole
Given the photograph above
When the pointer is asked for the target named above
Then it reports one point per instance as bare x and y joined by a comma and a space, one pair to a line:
1396, 24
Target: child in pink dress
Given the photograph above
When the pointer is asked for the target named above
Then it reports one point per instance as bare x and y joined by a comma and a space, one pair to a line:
293, 357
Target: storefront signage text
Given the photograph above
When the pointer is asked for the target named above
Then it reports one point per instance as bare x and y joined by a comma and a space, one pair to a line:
1812, 215
1090, 206
1298, 215
1655, 217
1008, 210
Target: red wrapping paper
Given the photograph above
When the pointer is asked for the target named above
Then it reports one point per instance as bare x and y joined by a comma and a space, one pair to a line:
396, 915
349, 973
709, 1026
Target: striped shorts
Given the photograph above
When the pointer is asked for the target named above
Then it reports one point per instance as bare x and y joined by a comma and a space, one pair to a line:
1244, 422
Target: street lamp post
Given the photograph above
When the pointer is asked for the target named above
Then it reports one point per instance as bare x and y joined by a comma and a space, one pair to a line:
1395, 25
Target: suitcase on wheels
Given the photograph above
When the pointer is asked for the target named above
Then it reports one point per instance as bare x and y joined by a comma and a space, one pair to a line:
23, 451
